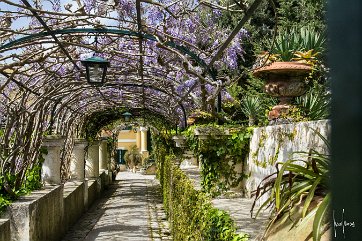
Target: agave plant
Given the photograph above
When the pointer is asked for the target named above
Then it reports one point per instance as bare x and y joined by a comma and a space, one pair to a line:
286, 44
252, 107
315, 104
295, 182
311, 39
308, 57
298, 41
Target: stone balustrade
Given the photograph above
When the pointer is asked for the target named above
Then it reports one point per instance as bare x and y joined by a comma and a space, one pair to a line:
47, 214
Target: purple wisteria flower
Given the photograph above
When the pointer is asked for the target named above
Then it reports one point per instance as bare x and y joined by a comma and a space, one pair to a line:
226, 97
56, 6
89, 5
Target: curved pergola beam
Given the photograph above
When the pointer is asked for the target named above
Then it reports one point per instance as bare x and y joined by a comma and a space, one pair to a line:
182, 49
120, 32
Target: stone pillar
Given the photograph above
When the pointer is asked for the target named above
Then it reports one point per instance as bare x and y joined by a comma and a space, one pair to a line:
103, 155
50, 172
138, 139
77, 163
92, 161
144, 150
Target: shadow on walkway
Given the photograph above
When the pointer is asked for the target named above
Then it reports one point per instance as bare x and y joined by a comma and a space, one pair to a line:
129, 210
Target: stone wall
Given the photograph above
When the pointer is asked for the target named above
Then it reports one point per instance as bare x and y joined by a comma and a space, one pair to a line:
273, 144
74, 206
5, 230
38, 216
92, 191
47, 214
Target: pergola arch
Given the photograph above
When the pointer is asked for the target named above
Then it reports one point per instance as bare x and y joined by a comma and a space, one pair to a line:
35, 37
61, 34
162, 64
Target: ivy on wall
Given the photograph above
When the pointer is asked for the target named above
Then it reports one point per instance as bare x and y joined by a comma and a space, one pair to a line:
190, 211
219, 155
280, 138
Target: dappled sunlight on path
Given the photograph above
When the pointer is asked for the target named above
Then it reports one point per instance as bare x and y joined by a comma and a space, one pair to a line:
131, 209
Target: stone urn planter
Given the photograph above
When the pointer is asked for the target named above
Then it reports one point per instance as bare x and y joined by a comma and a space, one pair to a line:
179, 140
284, 80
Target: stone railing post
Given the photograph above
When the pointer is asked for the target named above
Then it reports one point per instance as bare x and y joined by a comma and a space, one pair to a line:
103, 155
92, 160
77, 164
50, 172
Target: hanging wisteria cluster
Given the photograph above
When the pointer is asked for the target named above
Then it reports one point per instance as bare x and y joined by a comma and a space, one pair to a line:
160, 62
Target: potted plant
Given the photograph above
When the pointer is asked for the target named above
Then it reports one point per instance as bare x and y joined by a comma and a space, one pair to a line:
288, 64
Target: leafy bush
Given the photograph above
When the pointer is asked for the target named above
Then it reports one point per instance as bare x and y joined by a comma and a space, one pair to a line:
300, 13
162, 145
33, 175
190, 211
32, 181
200, 117
4, 202
295, 182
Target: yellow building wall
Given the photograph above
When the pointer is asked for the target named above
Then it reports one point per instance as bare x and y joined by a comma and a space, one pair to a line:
126, 139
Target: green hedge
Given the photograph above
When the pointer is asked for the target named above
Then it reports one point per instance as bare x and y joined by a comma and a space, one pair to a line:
190, 211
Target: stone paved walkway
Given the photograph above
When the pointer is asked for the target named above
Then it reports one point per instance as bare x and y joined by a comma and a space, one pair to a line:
130, 210
237, 206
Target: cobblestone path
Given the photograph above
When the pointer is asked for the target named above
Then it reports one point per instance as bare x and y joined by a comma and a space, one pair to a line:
131, 209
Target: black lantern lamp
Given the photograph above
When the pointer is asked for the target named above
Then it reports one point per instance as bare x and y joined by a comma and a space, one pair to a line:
96, 70
127, 116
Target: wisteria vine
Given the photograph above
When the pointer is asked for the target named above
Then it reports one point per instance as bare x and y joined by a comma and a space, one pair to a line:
43, 92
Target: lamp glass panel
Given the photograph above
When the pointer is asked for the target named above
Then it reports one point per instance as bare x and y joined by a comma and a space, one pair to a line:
95, 73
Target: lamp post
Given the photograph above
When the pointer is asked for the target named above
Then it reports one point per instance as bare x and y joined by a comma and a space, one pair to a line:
127, 116
96, 70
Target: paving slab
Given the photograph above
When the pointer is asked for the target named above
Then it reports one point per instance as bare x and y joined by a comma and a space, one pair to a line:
131, 209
